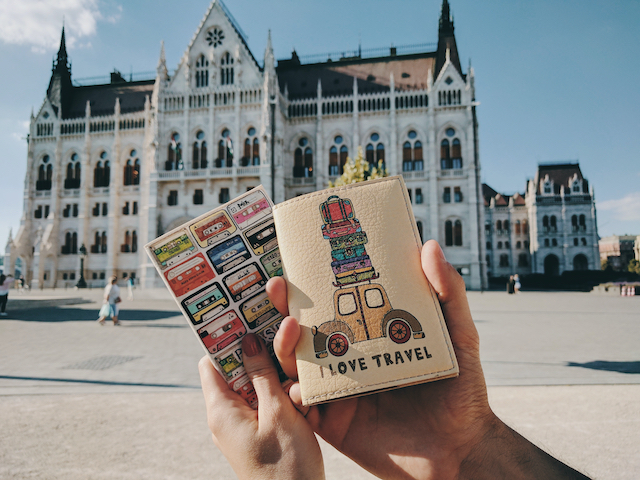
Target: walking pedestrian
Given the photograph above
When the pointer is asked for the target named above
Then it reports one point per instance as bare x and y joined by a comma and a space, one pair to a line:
110, 307
516, 283
5, 284
510, 285
130, 287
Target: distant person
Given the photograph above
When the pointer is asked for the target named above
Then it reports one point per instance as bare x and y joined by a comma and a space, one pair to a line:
510, 285
110, 308
516, 283
5, 284
130, 287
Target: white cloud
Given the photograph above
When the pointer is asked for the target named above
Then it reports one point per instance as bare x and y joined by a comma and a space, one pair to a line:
626, 208
38, 23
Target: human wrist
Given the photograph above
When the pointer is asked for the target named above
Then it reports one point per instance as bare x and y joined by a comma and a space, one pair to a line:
501, 452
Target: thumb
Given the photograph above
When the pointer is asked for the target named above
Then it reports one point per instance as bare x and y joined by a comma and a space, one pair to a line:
261, 370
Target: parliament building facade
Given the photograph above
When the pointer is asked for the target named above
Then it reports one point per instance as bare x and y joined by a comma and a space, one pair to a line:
112, 166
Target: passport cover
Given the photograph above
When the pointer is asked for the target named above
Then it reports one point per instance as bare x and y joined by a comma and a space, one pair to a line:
369, 318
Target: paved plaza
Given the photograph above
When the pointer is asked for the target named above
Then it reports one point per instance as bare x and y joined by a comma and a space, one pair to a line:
81, 401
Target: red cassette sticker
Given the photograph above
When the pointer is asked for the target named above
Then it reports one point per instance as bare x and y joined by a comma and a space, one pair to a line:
243, 387
189, 275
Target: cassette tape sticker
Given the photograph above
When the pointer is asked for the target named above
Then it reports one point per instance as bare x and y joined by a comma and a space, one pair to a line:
258, 311
206, 304
262, 238
243, 387
245, 281
230, 361
222, 332
213, 228
189, 275
272, 263
172, 251
250, 209
228, 254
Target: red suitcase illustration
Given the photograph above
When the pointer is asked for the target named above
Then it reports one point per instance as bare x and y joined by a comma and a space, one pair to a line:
339, 218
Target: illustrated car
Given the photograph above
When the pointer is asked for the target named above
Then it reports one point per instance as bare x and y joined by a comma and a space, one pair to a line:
362, 312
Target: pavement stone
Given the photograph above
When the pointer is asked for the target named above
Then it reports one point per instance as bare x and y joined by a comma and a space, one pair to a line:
82, 401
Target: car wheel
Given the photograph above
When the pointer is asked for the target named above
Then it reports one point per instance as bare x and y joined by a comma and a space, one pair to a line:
337, 344
399, 331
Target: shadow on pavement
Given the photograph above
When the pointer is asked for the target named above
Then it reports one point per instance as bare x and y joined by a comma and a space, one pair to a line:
98, 382
54, 314
621, 367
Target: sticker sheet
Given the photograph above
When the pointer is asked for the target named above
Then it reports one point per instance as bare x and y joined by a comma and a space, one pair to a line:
216, 266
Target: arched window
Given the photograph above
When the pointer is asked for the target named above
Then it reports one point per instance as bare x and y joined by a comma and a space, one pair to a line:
488, 246
303, 159
134, 241
251, 149
102, 171
132, 169
518, 227
448, 233
199, 157
584, 241
583, 223
73, 172
574, 223
507, 245
103, 242
202, 72
226, 69
126, 247
445, 159
576, 187
337, 162
499, 226
45, 174
225, 150
412, 153
580, 262
547, 187
545, 222
499, 246
407, 164
506, 225
375, 152
523, 260
174, 153
553, 223
456, 154
575, 242
504, 260
525, 227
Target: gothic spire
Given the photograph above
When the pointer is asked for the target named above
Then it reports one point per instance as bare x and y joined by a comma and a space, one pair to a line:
60, 87
446, 41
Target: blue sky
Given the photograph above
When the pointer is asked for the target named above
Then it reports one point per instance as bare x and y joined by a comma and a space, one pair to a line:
556, 80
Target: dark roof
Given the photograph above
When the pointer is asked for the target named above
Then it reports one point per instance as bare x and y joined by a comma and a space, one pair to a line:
559, 174
501, 200
103, 98
409, 71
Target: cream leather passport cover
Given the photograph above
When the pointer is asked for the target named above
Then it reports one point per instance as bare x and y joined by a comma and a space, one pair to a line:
370, 319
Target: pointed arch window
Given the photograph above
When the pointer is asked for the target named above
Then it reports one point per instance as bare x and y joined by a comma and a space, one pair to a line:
583, 223
73, 172
445, 157
553, 223
102, 171
448, 233
251, 153
518, 227
226, 69
132, 169
456, 154
225, 150
303, 160
412, 153
525, 227
45, 174
375, 152
199, 157
174, 153
202, 72
338, 154
457, 233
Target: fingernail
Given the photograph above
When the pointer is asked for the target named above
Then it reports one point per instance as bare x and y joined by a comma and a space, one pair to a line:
251, 345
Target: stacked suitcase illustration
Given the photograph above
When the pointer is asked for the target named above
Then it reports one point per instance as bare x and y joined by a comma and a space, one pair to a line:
350, 262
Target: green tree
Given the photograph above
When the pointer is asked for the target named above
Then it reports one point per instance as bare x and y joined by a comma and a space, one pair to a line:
358, 170
605, 265
634, 266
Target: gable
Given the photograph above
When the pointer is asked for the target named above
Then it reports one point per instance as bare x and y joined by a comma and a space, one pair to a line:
216, 36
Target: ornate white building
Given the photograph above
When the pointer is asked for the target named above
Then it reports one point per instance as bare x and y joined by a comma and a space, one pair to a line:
112, 166
550, 229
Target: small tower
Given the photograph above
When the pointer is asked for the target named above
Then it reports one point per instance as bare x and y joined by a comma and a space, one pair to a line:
446, 41
59, 91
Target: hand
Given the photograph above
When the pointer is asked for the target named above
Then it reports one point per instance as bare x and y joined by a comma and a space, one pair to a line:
273, 442
444, 429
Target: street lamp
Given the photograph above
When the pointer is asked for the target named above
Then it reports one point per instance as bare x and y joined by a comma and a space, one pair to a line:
81, 281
